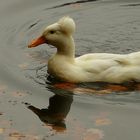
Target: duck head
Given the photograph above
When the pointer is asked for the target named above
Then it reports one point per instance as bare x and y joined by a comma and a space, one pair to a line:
58, 34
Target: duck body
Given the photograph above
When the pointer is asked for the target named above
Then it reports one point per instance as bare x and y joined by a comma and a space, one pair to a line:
93, 67
98, 67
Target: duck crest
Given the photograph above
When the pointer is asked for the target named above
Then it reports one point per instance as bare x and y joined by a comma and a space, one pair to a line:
67, 25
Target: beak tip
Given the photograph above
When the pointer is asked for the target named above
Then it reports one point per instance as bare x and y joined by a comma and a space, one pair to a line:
32, 44
37, 42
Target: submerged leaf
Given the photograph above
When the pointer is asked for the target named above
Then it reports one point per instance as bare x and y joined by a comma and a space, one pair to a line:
18, 94
23, 66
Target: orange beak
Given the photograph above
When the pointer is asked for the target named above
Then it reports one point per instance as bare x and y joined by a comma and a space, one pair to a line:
37, 42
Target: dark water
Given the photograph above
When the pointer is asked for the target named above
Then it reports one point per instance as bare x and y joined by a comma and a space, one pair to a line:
34, 108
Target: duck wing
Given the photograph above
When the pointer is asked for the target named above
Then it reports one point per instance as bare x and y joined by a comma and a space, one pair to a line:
99, 62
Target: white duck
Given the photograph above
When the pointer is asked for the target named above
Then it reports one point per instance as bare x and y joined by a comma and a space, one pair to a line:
92, 67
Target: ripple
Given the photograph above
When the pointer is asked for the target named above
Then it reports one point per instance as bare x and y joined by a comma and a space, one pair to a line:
71, 3
132, 4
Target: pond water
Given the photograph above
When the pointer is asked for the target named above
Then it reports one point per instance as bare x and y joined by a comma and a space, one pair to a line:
34, 108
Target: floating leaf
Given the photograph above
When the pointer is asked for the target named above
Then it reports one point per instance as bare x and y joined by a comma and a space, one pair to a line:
93, 134
2, 130
103, 121
17, 135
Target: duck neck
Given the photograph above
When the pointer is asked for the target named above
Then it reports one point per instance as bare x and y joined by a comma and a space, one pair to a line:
67, 48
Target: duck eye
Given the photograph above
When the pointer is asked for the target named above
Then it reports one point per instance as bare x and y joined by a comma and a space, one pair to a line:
52, 32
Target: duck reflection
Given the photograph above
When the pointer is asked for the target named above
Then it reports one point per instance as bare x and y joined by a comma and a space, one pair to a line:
55, 114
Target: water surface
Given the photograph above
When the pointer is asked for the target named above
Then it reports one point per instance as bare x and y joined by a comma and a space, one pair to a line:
35, 108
